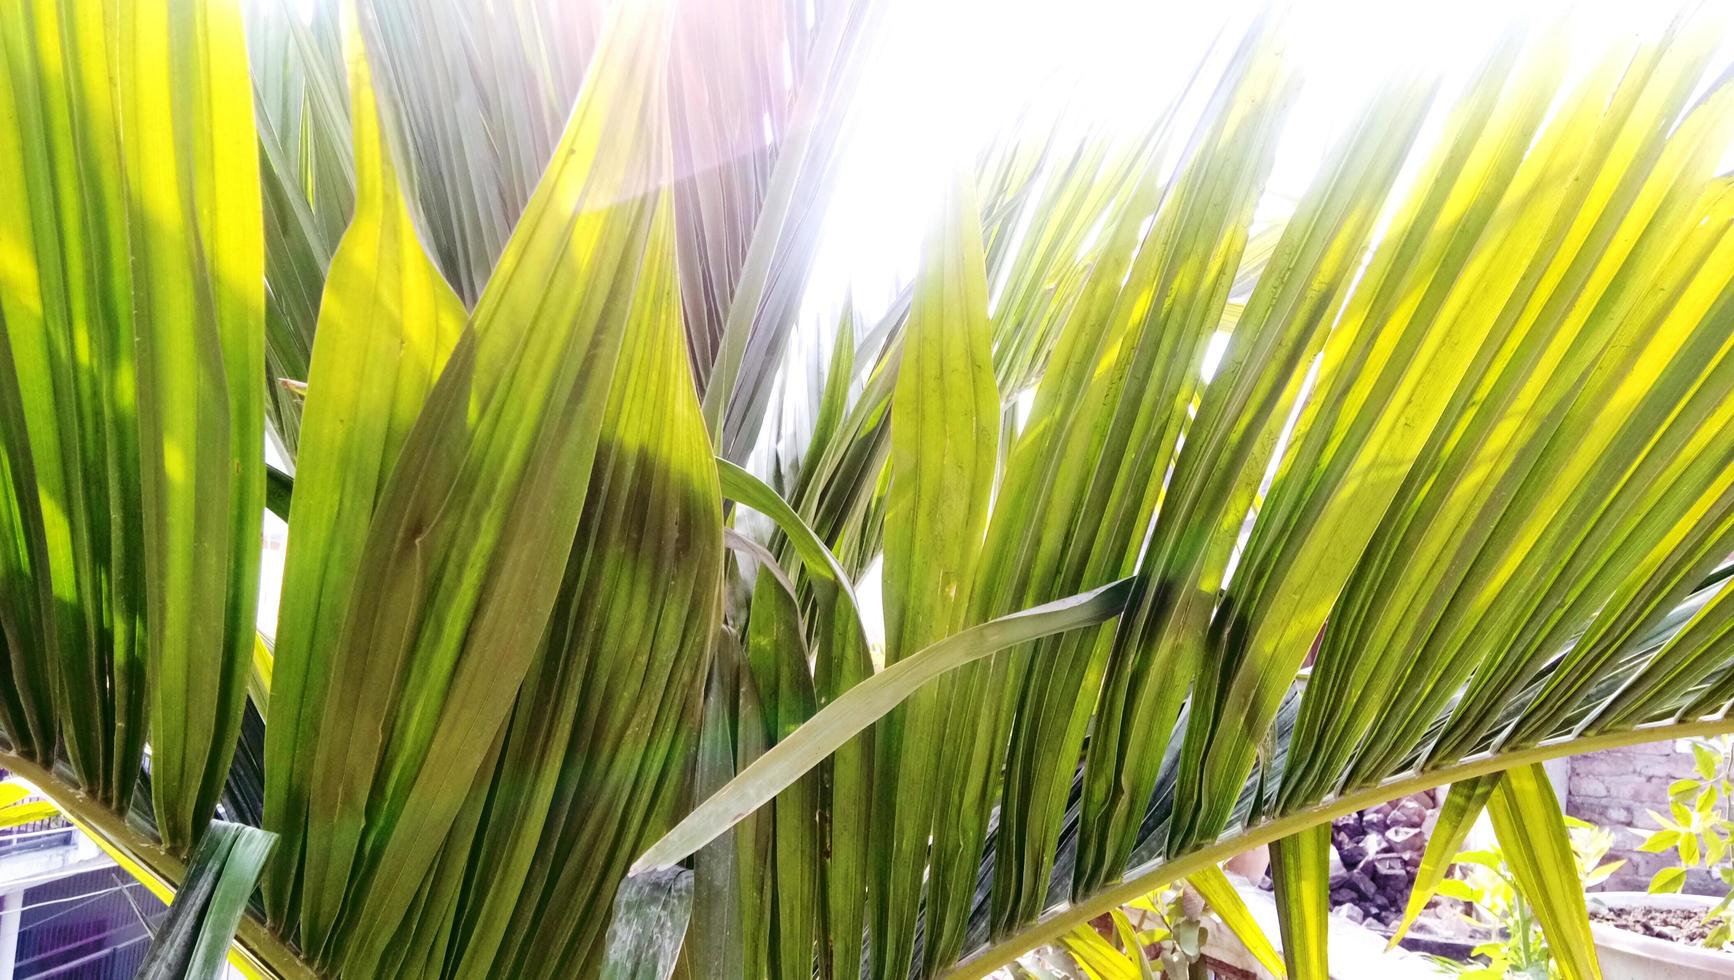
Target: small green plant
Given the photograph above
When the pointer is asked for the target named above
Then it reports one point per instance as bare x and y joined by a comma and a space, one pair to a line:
1519, 949
1699, 827
1154, 933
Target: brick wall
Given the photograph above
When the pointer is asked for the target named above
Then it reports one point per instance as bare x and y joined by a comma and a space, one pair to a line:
1614, 788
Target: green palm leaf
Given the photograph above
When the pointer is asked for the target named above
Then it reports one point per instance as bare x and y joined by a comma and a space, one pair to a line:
1203, 516
134, 327
388, 323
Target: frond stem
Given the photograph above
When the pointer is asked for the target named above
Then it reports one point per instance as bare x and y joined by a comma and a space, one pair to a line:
1149, 877
154, 866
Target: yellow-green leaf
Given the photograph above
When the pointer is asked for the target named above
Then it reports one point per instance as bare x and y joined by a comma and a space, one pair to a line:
1132, 945
944, 430
1531, 830
1300, 867
1668, 880
1218, 893
1464, 803
387, 323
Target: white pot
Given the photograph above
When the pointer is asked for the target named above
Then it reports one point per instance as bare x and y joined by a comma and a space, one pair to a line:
1632, 956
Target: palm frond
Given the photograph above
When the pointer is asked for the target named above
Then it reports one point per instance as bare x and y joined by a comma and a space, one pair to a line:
1200, 516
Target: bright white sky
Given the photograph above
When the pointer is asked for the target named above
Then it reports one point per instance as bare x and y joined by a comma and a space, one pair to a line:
954, 71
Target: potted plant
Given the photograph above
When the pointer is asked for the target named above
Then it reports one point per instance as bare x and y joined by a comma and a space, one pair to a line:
1515, 944
1663, 932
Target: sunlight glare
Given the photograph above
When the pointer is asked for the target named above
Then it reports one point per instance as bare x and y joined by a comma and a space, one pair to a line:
951, 74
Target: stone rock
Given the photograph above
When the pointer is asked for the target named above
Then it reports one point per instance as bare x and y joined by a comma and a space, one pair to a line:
1372, 846
1374, 822
1362, 882
1342, 894
1352, 913
1384, 865
1412, 861
1390, 874
1338, 872
1407, 813
1405, 839
1649, 791
1351, 854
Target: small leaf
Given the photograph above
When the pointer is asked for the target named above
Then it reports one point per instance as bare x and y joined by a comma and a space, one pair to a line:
1602, 873
1715, 847
1719, 936
1189, 936
1707, 761
1668, 881
1459, 889
1707, 801
1661, 840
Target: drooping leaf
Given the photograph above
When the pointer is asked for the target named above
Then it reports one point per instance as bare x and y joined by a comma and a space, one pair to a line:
1463, 805
192, 942
1531, 831
1300, 867
1218, 893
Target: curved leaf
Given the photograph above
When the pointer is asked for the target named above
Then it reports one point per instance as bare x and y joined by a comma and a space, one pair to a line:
192, 942
1218, 893
1531, 831
387, 323
864, 704
1464, 804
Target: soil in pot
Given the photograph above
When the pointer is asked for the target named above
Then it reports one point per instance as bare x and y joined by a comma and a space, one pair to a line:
1674, 925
